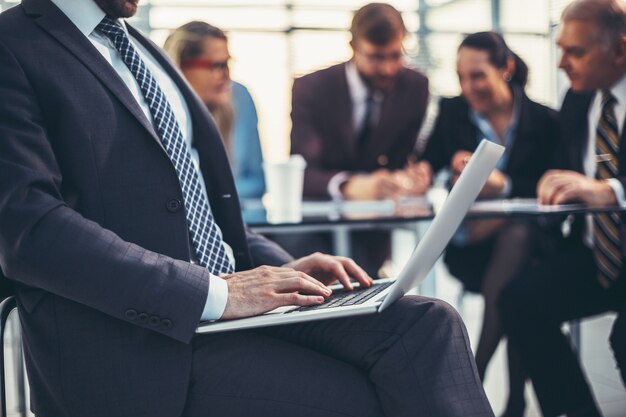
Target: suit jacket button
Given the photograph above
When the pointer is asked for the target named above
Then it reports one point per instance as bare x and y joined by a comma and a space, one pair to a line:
166, 324
154, 321
130, 314
174, 205
142, 318
382, 160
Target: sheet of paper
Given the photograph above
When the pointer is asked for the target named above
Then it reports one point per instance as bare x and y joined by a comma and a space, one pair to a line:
522, 205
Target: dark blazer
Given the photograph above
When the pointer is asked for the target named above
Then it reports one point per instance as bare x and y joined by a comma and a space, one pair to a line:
323, 132
532, 153
574, 131
92, 229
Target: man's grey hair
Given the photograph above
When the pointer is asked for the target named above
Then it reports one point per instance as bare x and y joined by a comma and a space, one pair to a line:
609, 17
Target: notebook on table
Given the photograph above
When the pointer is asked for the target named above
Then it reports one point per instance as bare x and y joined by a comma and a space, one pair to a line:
383, 293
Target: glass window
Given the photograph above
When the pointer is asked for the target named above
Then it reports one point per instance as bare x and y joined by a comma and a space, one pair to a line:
273, 41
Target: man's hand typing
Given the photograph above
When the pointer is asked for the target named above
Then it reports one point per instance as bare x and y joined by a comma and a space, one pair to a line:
265, 288
329, 269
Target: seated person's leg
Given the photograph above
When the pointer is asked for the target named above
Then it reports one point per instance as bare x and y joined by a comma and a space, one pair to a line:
416, 354
248, 374
533, 306
468, 263
513, 246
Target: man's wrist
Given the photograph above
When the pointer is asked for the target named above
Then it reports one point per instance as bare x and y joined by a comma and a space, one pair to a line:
336, 184
615, 193
217, 298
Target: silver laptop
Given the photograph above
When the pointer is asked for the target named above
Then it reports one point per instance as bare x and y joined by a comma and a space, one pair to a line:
384, 293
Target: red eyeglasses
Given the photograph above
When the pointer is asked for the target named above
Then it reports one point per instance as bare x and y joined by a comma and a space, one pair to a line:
214, 66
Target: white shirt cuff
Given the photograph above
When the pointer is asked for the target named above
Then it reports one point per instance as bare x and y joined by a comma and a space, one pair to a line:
216, 300
618, 189
508, 187
335, 183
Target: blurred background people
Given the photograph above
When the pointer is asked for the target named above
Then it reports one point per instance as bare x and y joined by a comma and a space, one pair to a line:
201, 52
486, 254
585, 275
356, 124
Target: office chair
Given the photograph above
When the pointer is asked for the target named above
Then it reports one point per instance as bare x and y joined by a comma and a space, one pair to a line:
13, 383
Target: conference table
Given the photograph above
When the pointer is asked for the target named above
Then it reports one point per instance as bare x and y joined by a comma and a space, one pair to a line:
406, 219
341, 217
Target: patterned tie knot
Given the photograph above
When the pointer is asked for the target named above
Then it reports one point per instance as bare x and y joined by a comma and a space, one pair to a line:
608, 99
110, 27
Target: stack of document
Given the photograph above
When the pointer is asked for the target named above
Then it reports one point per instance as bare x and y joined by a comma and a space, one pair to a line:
522, 205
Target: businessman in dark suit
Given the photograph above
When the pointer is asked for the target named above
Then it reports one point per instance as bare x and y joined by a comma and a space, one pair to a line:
586, 275
356, 123
119, 245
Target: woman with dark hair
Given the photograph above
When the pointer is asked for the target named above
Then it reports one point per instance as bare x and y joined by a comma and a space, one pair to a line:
484, 255
201, 52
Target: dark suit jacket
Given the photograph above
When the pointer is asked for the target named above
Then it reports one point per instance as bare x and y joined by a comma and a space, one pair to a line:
532, 154
323, 131
107, 298
574, 131
533, 149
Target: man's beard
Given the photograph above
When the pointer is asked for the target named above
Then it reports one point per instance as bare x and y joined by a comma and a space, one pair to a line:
118, 8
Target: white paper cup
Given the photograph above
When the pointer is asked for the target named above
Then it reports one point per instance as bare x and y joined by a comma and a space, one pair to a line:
437, 197
284, 181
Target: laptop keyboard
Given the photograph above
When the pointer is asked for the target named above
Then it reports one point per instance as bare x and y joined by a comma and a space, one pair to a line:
343, 297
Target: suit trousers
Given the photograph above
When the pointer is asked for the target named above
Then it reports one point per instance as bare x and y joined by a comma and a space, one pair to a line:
533, 306
414, 359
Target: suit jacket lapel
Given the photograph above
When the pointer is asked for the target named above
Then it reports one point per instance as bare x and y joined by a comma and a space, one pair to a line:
575, 129
197, 110
525, 129
216, 172
53, 21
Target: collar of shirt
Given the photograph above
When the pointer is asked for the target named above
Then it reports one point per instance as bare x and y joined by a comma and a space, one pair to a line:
85, 14
486, 130
356, 86
619, 92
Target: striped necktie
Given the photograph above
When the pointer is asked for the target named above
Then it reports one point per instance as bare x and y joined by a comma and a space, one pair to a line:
606, 226
205, 235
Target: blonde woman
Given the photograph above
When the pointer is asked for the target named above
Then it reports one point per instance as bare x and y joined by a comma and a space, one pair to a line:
201, 52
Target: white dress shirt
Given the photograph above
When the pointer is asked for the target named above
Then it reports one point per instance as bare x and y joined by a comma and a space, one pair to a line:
86, 15
589, 161
359, 91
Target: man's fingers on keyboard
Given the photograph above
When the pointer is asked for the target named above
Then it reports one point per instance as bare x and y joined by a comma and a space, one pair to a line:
302, 285
356, 271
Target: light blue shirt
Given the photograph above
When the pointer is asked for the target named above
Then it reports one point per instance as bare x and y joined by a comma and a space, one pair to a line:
86, 15
486, 131
247, 158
